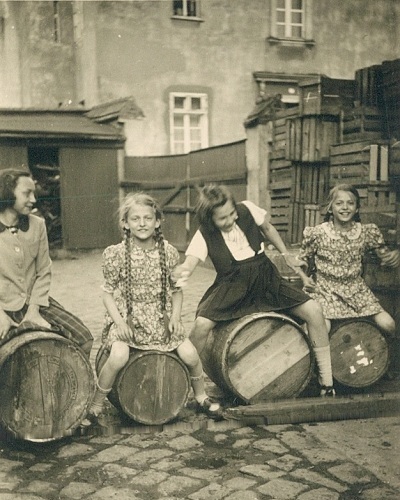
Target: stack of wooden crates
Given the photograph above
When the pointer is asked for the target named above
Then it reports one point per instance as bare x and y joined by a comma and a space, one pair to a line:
299, 160
342, 131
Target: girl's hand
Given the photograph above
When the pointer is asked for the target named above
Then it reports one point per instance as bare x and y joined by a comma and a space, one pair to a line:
124, 331
175, 325
294, 262
5, 324
390, 258
180, 275
33, 315
309, 284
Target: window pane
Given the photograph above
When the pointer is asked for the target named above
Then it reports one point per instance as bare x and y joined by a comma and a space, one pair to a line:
179, 102
280, 4
196, 103
178, 120
195, 145
195, 135
297, 32
297, 17
280, 31
191, 8
297, 4
178, 7
194, 120
280, 16
179, 148
179, 134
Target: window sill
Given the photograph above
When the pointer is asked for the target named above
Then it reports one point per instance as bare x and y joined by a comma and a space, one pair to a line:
188, 18
291, 42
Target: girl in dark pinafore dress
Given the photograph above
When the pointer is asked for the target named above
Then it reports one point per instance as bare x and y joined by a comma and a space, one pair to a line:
232, 235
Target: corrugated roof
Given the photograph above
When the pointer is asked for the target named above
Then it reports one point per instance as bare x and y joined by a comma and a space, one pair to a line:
58, 124
120, 108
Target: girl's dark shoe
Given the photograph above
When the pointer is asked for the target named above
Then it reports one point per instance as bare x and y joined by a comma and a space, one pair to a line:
327, 391
89, 420
216, 413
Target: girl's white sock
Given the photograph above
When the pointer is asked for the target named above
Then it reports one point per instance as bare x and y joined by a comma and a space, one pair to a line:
323, 357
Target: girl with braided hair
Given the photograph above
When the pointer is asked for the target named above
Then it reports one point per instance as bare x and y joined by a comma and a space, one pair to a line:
143, 304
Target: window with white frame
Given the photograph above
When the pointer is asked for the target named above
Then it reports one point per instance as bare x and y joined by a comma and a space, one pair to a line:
186, 8
188, 122
291, 20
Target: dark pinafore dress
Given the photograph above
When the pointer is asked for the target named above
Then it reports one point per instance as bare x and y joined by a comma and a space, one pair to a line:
246, 286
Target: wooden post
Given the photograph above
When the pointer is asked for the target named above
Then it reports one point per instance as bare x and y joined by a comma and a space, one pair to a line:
258, 149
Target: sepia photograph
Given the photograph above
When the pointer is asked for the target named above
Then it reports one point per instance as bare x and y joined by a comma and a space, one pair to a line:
199, 249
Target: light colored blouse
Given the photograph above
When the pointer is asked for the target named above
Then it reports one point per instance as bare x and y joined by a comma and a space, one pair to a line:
235, 240
25, 266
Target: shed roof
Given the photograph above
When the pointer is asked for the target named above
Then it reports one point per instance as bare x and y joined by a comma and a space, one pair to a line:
59, 124
125, 108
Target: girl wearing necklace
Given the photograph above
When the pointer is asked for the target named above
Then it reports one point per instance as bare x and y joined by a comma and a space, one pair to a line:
334, 251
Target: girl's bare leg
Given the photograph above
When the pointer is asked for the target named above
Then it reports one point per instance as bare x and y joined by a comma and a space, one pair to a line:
385, 322
118, 358
201, 329
189, 355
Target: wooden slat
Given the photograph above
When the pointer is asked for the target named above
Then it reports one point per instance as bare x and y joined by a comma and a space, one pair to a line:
301, 410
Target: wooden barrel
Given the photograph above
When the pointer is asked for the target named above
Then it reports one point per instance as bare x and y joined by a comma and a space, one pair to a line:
259, 357
359, 351
47, 384
152, 388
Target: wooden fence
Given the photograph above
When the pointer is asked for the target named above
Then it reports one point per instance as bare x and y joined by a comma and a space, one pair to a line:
174, 181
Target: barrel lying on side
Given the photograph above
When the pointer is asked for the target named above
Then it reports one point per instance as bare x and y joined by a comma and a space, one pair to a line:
152, 388
46, 386
259, 357
359, 351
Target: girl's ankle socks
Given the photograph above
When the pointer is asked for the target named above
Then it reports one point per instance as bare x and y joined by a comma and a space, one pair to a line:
98, 400
323, 357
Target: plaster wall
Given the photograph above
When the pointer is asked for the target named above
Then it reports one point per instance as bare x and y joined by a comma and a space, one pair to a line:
144, 52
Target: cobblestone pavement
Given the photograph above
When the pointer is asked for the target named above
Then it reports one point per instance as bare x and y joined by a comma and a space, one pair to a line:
195, 458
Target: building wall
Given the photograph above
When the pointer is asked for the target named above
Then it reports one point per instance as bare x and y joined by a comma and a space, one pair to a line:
123, 48
39, 71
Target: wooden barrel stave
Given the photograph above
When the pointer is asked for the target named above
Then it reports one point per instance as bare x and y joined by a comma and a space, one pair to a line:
152, 388
261, 356
47, 386
359, 351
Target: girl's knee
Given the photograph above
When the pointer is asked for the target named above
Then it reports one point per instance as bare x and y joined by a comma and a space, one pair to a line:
310, 311
385, 322
203, 325
119, 355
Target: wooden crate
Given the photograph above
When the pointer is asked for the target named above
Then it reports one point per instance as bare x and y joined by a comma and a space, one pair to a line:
327, 96
282, 180
394, 163
391, 96
378, 206
312, 215
368, 86
358, 163
309, 190
361, 122
308, 138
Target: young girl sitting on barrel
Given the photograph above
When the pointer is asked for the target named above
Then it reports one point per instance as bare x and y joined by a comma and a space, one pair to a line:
143, 305
232, 235
334, 252
25, 267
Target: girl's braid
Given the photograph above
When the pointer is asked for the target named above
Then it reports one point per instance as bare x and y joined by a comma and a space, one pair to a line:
128, 271
163, 264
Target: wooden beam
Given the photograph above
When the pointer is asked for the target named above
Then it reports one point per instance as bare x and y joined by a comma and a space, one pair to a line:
302, 410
